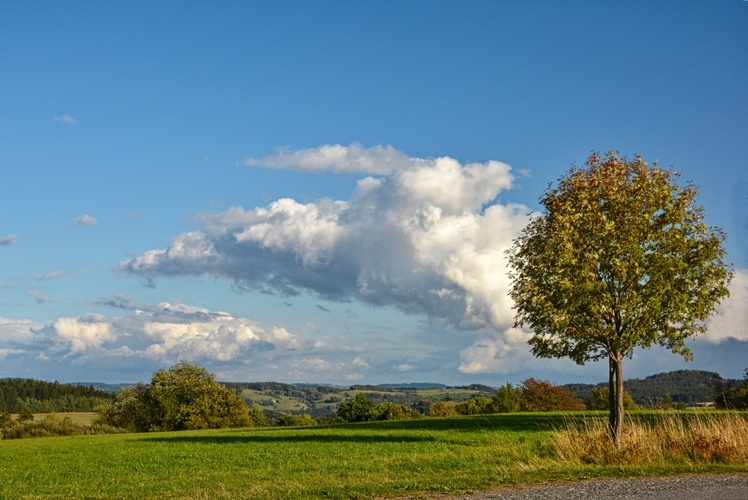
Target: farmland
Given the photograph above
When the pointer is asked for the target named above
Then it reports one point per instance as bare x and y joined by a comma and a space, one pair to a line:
369, 460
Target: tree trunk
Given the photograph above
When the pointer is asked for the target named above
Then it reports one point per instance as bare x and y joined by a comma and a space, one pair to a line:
615, 397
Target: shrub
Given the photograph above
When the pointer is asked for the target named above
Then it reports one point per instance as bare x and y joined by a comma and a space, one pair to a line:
477, 405
183, 397
441, 409
598, 400
541, 395
394, 411
298, 420
359, 409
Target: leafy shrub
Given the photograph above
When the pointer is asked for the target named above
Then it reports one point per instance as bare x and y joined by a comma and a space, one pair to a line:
598, 400
183, 397
541, 395
394, 411
297, 420
477, 405
359, 409
441, 409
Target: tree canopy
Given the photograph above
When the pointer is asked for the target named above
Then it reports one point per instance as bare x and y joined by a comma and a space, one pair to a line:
183, 397
621, 258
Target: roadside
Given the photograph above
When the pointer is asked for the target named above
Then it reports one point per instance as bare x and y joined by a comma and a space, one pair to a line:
695, 487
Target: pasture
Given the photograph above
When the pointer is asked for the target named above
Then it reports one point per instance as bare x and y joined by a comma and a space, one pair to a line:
369, 460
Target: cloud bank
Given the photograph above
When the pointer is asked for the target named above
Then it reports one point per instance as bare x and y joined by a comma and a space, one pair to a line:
428, 239
153, 336
343, 159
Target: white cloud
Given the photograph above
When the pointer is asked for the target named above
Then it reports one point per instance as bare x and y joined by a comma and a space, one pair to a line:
162, 334
337, 158
499, 353
731, 319
11, 239
428, 240
57, 273
85, 332
65, 120
16, 332
85, 220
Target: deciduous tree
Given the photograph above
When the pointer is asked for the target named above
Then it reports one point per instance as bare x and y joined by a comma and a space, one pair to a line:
620, 258
541, 395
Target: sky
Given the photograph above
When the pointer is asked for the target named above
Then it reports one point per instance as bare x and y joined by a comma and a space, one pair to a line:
323, 191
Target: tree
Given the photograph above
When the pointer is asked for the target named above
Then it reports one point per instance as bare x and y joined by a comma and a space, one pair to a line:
183, 397
729, 397
507, 399
359, 409
620, 258
541, 395
477, 405
441, 409
599, 398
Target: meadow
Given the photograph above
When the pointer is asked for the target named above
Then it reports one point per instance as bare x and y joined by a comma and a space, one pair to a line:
368, 460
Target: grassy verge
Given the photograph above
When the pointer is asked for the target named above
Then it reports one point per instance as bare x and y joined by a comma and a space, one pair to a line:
344, 461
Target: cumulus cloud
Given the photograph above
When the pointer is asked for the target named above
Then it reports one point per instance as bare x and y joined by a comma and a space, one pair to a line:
428, 239
345, 159
731, 319
502, 352
85, 220
161, 334
65, 120
11, 239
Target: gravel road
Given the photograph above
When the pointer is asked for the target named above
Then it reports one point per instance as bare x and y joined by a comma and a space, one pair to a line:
706, 487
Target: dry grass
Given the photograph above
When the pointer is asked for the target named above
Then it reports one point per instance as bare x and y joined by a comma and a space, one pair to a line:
668, 439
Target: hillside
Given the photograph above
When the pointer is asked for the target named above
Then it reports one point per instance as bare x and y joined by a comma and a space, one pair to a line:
319, 400
18, 394
686, 386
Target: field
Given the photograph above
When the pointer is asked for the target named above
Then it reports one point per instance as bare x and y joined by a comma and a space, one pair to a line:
339, 461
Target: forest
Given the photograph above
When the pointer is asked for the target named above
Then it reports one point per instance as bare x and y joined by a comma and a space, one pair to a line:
275, 398
37, 396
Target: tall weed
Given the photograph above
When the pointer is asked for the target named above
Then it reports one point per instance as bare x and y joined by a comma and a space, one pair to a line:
656, 440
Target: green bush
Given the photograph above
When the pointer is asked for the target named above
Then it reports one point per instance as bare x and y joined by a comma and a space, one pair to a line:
441, 409
183, 397
298, 420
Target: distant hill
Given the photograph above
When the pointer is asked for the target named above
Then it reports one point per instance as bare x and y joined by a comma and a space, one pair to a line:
686, 386
414, 385
275, 398
19, 394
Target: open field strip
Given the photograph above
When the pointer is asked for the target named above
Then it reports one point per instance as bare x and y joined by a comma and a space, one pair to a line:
341, 461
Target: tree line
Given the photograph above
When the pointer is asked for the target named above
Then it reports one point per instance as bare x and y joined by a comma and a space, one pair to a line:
20, 394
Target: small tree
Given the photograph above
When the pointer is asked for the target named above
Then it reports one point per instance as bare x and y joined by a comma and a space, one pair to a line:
441, 409
728, 397
359, 409
183, 397
620, 258
541, 395
599, 399
507, 399
477, 405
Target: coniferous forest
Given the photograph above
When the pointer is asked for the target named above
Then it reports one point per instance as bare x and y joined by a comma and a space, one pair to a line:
21, 394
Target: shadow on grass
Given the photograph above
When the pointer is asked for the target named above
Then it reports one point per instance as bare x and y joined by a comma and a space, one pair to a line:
305, 436
420, 430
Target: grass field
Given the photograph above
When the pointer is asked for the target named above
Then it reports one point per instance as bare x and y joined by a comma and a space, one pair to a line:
341, 461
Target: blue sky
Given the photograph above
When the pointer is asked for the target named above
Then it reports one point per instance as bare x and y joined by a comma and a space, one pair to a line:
323, 191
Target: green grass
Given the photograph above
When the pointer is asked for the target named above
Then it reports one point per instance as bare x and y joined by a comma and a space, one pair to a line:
343, 461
